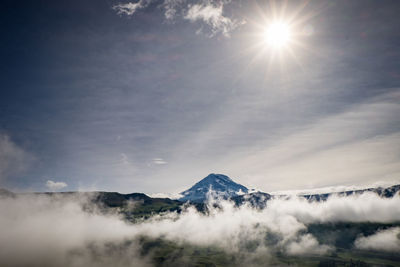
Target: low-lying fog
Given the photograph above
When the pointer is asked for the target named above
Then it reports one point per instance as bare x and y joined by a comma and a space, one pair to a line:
44, 230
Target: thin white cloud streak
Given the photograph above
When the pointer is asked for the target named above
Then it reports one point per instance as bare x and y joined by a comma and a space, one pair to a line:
159, 161
13, 159
333, 189
130, 8
70, 231
55, 186
386, 240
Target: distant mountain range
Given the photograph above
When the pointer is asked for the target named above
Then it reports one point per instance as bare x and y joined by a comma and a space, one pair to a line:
225, 187
387, 192
218, 184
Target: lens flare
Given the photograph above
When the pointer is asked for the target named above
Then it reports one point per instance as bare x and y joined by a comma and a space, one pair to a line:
277, 34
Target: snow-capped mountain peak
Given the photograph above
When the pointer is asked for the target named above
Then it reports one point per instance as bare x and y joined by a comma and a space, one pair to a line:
220, 184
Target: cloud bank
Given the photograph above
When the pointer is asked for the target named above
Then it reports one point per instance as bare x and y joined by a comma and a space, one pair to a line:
57, 231
385, 240
68, 230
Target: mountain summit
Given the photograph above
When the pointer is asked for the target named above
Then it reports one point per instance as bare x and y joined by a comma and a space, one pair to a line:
221, 184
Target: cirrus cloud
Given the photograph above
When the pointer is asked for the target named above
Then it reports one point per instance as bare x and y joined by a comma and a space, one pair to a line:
130, 8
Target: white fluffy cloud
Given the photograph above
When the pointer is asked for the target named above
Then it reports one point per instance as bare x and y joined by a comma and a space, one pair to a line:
385, 240
286, 218
55, 186
55, 231
307, 243
367, 207
212, 15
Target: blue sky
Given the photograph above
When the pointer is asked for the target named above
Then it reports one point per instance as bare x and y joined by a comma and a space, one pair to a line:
151, 96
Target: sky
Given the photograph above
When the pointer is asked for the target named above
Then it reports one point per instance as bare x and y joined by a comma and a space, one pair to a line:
151, 96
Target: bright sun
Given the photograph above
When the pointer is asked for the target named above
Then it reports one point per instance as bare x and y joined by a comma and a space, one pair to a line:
277, 34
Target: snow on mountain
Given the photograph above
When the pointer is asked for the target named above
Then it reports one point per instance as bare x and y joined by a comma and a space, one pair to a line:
220, 184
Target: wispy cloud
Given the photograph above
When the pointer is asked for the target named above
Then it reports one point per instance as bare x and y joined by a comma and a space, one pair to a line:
130, 8
124, 159
159, 161
13, 159
212, 15
55, 186
171, 8
358, 146
124, 166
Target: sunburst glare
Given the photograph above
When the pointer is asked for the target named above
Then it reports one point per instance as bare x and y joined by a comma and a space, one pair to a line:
277, 34
280, 36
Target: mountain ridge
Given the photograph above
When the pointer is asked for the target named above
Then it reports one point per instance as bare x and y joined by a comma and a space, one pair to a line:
220, 184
